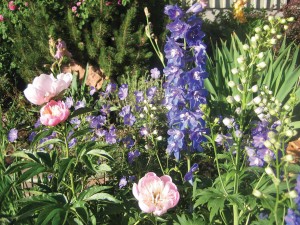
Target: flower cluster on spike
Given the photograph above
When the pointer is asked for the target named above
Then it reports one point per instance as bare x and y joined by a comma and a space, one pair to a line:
185, 73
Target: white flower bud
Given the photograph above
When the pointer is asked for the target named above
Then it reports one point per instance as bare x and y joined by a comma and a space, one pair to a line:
292, 194
273, 41
288, 158
151, 115
227, 122
142, 115
257, 193
154, 132
145, 108
243, 80
269, 171
271, 18
237, 98
260, 55
283, 21
271, 134
240, 59
286, 107
154, 108
268, 144
264, 101
259, 110
294, 132
146, 147
272, 112
254, 88
266, 27
159, 138
230, 99
257, 29
285, 27
234, 71
231, 84
238, 110
246, 47
290, 19
261, 65
279, 36
257, 100
289, 133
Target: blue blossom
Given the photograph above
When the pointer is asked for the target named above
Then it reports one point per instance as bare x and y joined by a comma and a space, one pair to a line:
195, 8
72, 142
292, 218
155, 73
144, 131
31, 136
12, 135
105, 109
111, 87
173, 53
151, 92
100, 132
75, 121
194, 35
123, 92
189, 175
128, 142
125, 111
132, 155
173, 11
178, 29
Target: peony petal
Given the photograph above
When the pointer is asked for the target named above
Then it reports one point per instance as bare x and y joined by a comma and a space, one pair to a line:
135, 191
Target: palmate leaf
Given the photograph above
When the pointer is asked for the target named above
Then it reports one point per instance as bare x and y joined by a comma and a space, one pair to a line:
185, 220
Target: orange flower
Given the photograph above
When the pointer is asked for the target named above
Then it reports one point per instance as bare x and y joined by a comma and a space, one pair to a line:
238, 10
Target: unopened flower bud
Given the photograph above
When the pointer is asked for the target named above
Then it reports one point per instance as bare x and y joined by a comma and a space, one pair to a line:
257, 100
271, 134
231, 84
283, 21
238, 110
240, 59
289, 133
260, 55
285, 27
271, 18
234, 71
273, 31
230, 99
288, 158
261, 65
159, 138
237, 98
268, 144
286, 107
266, 27
292, 194
269, 171
273, 41
257, 29
243, 80
154, 132
246, 47
254, 88
290, 19
272, 112
257, 193
258, 110
277, 145
279, 36
142, 115
216, 120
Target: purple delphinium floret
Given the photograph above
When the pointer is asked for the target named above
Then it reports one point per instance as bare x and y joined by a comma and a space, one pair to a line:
12, 135
123, 182
194, 35
151, 92
132, 155
178, 29
173, 11
189, 175
196, 8
97, 121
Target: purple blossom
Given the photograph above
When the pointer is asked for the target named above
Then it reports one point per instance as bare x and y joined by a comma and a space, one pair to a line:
178, 29
194, 35
92, 90
123, 182
105, 109
31, 136
173, 11
125, 111
69, 102
155, 73
75, 121
132, 155
139, 96
123, 92
144, 131
128, 142
12, 135
196, 8
173, 53
79, 104
189, 175
97, 121
110, 136
292, 218
72, 142
129, 119
151, 92
111, 87
100, 132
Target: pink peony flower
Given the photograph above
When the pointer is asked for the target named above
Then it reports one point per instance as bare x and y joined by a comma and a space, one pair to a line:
78, 4
156, 194
45, 87
1, 18
74, 9
12, 6
54, 113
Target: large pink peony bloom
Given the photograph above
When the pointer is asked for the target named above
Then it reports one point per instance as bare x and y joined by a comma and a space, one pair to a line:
54, 113
45, 87
156, 194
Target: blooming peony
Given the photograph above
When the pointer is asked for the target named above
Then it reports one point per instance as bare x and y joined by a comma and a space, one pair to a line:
156, 194
54, 113
45, 87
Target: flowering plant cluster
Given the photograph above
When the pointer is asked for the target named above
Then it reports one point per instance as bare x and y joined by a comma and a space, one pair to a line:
201, 141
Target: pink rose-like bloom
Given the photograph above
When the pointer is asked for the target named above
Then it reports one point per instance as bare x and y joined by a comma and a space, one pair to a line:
78, 3
156, 194
74, 9
54, 113
1, 18
45, 87
12, 6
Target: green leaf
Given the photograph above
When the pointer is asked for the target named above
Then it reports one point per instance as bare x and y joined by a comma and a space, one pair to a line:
91, 191
49, 142
81, 111
64, 167
102, 197
41, 135
30, 173
100, 153
103, 168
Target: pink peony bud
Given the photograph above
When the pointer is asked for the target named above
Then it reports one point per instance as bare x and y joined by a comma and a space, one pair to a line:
12, 6
156, 194
1, 18
45, 87
78, 3
54, 113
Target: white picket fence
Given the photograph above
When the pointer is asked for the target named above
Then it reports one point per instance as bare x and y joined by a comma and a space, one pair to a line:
258, 4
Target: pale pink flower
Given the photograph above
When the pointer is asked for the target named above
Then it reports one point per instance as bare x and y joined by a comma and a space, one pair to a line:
78, 3
45, 87
54, 113
1, 18
156, 194
12, 6
26, 4
61, 49
74, 9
